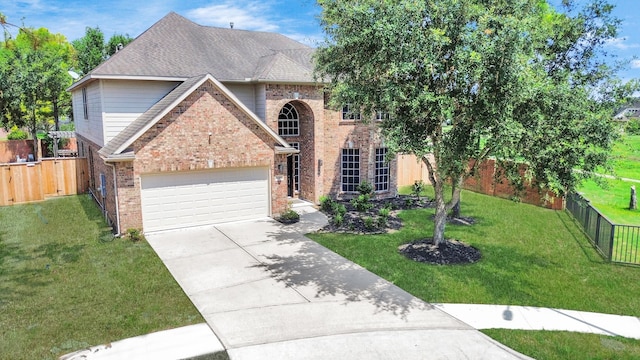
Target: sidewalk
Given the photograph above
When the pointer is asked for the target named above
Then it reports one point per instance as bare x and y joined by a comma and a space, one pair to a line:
198, 340
535, 318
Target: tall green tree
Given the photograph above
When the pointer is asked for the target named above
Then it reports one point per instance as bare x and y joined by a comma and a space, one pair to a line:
89, 49
33, 68
116, 41
470, 79
92, 49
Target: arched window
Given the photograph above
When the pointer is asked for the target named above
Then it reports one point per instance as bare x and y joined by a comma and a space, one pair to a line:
288, 121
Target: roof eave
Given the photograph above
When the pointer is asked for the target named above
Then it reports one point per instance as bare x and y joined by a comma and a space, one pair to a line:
286, 150
93, 77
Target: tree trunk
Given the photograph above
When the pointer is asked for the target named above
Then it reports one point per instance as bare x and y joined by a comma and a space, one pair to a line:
34, 134
633, 202
455, 213
440, 219
56, 115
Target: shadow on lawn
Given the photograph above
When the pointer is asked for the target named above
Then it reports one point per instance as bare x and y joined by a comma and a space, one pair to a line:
312, 266
501, 278
588, 249
17, 281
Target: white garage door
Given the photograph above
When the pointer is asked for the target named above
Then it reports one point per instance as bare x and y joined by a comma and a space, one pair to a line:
194, 198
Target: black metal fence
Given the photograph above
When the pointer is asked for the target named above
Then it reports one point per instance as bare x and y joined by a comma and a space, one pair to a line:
617, 243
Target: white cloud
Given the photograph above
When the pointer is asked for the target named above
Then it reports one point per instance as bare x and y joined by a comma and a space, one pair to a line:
635, 64
251, 15
621, 43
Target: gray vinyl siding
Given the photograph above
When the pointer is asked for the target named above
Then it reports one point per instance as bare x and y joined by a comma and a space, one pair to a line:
90, 128
124, 101
261, 101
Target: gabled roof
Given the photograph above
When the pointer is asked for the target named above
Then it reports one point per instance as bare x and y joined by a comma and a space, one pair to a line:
118, 148
178, 48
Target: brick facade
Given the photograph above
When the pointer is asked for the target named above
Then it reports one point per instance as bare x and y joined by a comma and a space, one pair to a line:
322, 136
97, 166
208, 131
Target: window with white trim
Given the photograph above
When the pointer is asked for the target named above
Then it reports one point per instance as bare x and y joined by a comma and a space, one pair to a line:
288, 121
296, 167
381, 115
349, 114
381, 181
350, 164
85, 106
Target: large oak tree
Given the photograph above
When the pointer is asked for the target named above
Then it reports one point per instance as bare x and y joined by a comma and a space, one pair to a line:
469, 79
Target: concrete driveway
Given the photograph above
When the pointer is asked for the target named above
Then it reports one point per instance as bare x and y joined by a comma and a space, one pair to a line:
268, 292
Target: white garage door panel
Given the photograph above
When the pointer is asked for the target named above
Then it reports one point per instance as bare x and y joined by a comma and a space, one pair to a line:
206, 197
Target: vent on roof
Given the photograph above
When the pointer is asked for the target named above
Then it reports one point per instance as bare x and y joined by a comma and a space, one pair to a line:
231, 24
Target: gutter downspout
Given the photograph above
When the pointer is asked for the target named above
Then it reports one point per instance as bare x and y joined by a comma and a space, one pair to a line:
115, 193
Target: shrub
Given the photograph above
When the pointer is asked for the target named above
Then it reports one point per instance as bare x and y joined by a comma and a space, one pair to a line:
384, 212
633, 127
368, 223
382, 222
135, 235
409, 202
338, 219
417, 188
365, 188
289, 216
326, 203
338, 209
362, 203
17, 134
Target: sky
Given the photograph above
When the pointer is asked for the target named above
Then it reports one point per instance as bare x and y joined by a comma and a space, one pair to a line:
295, 19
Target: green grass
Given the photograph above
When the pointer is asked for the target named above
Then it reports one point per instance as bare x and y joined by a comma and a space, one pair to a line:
66, 284
613, 200
531, 256
627, 153
562, 345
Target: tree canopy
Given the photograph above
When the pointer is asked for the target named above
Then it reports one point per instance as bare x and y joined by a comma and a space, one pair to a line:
33, 77
470, 79
93, 50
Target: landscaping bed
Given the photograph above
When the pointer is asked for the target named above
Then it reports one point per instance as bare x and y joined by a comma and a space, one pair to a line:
380, 215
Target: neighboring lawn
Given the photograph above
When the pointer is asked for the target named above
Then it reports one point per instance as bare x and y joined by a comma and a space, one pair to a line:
66, 284
627, 152
531, 256
613, 201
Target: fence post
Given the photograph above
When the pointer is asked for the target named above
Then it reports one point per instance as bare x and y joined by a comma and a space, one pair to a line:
611, 241
597, 234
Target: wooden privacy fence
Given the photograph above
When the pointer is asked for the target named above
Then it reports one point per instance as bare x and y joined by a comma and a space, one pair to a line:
486, 181
27, 182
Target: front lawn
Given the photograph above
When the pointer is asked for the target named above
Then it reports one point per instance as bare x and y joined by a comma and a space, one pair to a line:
531, 256
66, 284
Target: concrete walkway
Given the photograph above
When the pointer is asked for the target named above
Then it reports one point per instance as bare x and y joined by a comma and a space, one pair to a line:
270, 293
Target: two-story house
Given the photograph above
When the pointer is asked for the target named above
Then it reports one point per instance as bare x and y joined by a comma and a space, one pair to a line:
192, 125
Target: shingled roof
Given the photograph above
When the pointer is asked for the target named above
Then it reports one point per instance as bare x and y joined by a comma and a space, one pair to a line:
176, 47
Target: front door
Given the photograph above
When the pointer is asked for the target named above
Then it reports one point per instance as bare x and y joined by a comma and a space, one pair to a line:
290, 177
